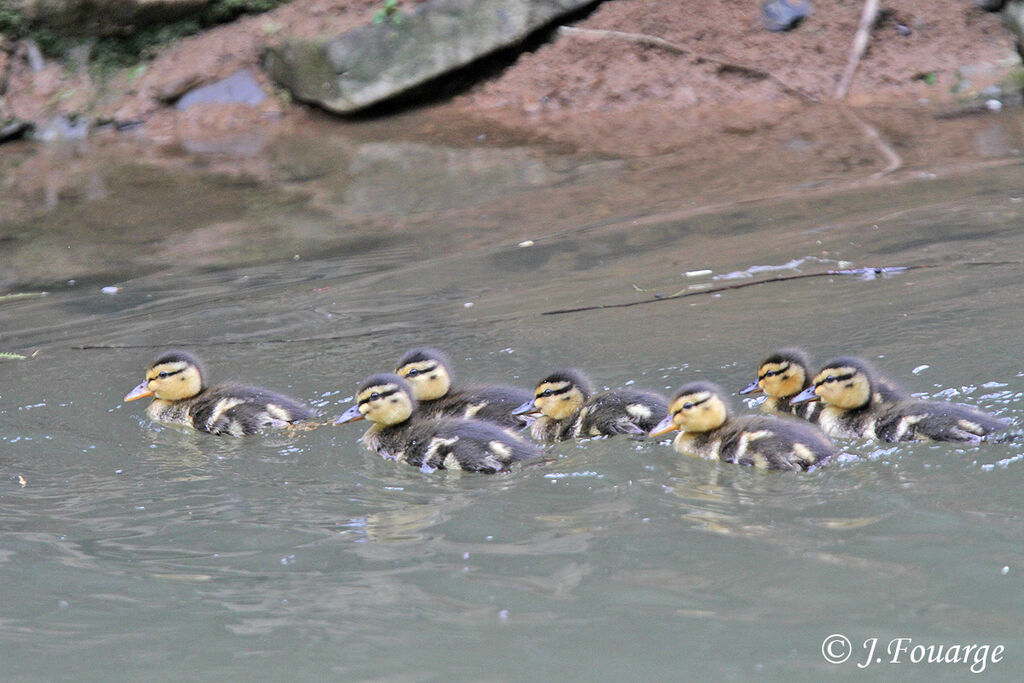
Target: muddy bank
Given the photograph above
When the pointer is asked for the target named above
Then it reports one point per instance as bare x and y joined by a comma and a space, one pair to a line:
633, 77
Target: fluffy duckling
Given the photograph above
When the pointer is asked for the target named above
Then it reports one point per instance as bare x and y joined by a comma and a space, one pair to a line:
175, 380
569, 408
781, 376
400, 433
787, 372
847, 387
699, 410
429, 373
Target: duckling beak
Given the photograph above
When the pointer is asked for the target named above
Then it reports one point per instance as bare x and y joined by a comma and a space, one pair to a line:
751, 388
805, 395
664, 427
350, 415
141, 391
526, 409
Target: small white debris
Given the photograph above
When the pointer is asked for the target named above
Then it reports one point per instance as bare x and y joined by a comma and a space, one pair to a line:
919, 369
526, 243
993, 105
23, 484
503, 615
468, 304
698, 273
1004, 571
110, 289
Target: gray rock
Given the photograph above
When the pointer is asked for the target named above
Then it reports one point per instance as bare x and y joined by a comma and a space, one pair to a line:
374, 63
990, 5
240, 87
1013, 19
782, 15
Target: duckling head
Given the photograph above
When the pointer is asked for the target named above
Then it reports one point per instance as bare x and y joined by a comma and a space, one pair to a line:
427, 371
695, 407
383, 399
559, 395
174, 376
843, 382
784, 373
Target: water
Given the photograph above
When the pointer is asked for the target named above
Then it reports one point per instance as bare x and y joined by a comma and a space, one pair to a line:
132, 551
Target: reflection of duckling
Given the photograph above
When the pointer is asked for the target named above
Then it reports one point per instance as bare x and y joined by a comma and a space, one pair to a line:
175, 379
568, 408
428, 372
700, 411
787, 372
399, 433
846, 386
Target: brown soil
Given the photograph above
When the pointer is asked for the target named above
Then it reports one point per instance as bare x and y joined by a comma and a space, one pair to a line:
597, 90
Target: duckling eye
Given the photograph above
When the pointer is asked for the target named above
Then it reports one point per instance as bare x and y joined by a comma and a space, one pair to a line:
412, 373
163, 373
374, 396
687, 406
546, 392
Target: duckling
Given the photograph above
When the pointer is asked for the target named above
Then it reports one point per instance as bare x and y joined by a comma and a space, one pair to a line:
787, 372
569, 408
847, 386
428, 372
401, 433
175, 379
700, 411
781, 376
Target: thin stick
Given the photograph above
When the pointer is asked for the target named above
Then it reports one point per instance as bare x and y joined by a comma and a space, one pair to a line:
860, 43
655, 41
870, 271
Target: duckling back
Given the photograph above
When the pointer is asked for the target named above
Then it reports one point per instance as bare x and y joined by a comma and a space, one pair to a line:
760, 441
239, 410
451, 444
935, 421
624, 411
492, 402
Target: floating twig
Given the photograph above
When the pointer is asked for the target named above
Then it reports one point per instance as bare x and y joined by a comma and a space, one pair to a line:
869, 272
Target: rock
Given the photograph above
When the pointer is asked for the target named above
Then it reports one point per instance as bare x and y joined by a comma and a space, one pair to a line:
782, 15
990, 5
14, 129
240, 87
1013, 20
374, 63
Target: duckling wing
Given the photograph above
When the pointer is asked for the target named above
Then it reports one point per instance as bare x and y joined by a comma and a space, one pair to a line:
623, 412
239, 410
938, 421
491, 402
777, 444
457, 444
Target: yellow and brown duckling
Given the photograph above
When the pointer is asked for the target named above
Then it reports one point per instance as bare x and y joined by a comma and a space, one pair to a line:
787, 372
180, 396
430, 443
428, 372
700, 412
569, 408
781, 376
847, 387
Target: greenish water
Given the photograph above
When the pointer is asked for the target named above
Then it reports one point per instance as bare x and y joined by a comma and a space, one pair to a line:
132, 551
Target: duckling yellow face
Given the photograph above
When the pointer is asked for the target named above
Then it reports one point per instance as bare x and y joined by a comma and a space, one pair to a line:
781, 378
173, 377
385, 404
699, 411
429, 378
845, 387
558, 399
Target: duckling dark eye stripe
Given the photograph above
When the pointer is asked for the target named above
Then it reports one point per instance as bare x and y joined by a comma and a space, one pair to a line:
772, 373
840, 378
694, 404
170, 374
380, 395
553, 392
